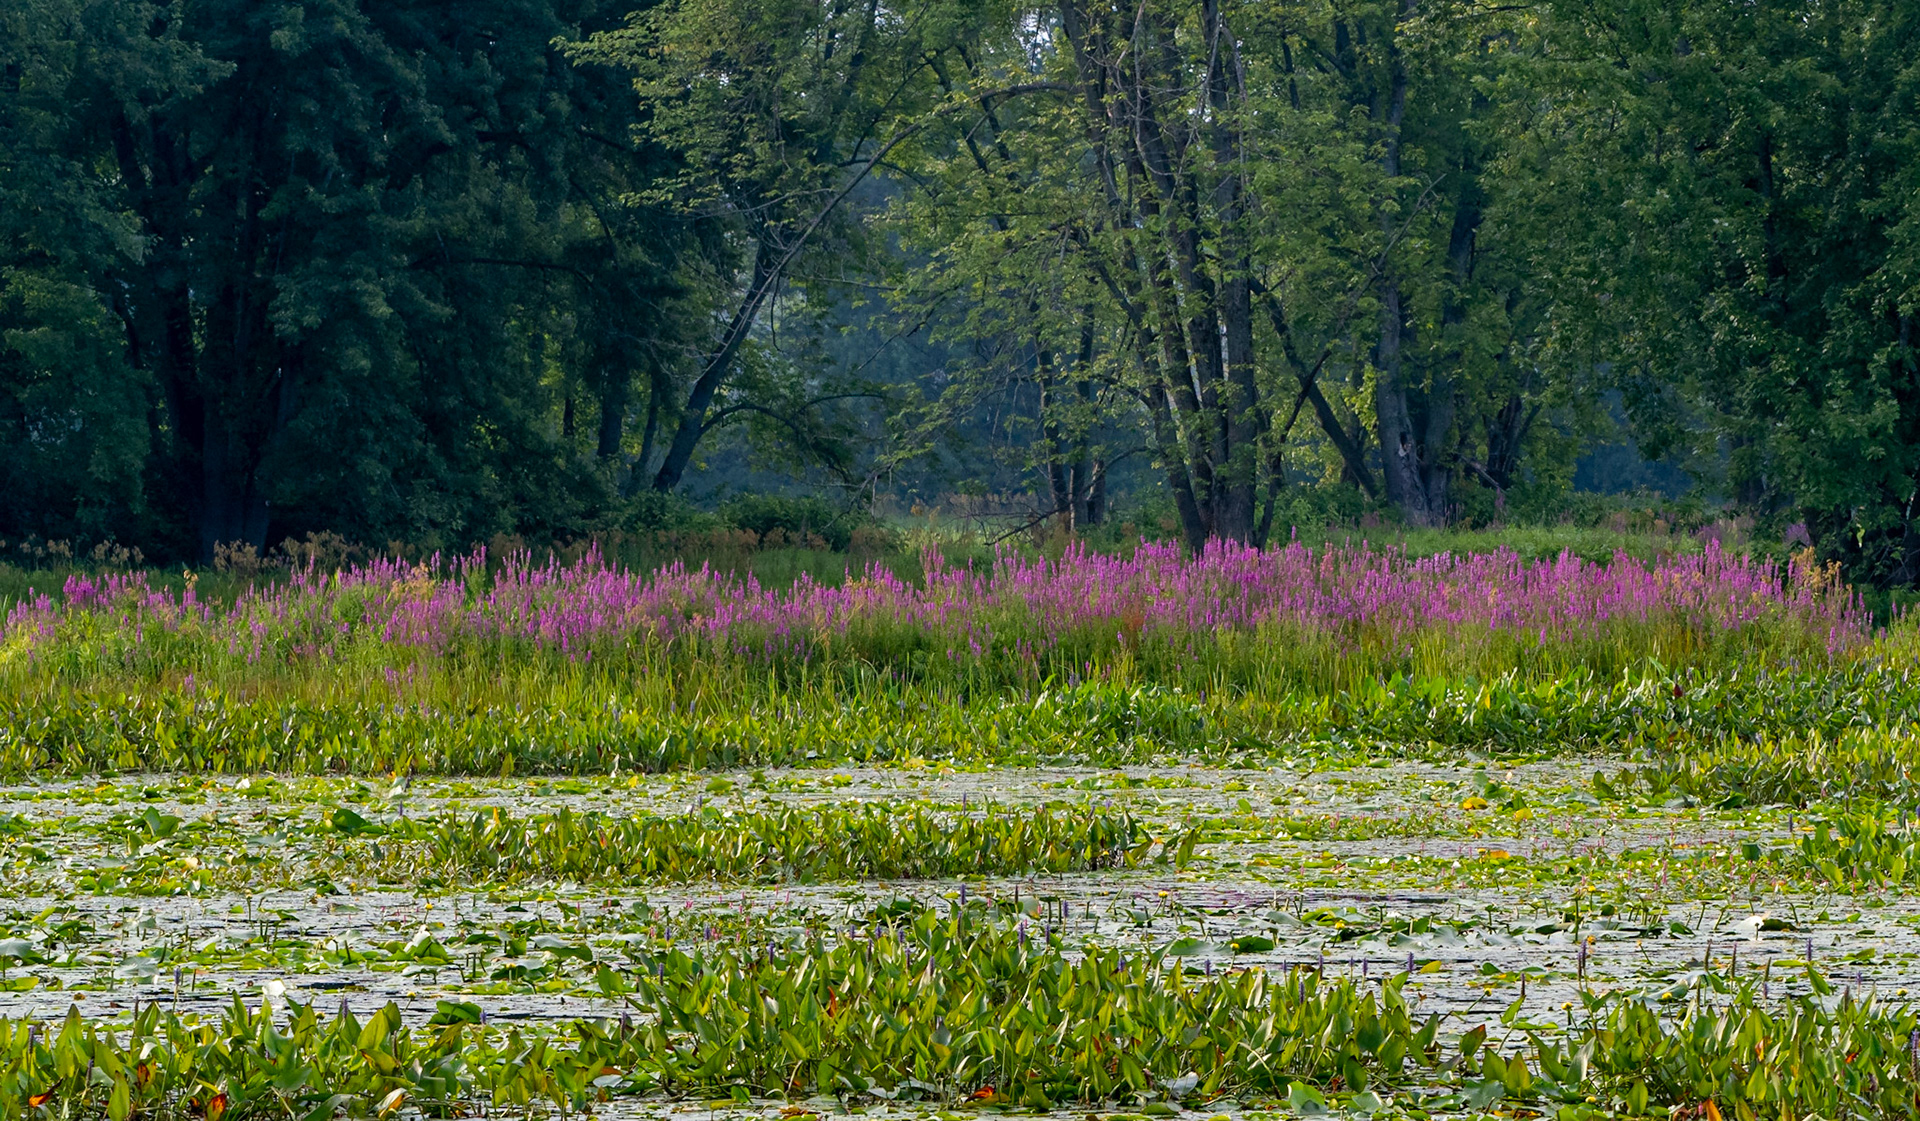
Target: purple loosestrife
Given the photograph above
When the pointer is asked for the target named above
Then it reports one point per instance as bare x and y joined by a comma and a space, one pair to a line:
1081, 608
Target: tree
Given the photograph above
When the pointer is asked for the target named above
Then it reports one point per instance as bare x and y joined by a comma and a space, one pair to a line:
1212, 220
776, 113
326, 266
1744, 183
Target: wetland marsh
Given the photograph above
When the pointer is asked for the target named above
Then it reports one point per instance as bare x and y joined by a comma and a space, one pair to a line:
1123, 836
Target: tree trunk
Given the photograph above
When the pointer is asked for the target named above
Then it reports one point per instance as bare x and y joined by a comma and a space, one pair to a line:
1506, 434
1188, 289
1437, 467
649, 432
693, 417
1351, 446
1399, 447
613, 412
1081, 487
1059, 487
1097, 495
1154, 394
1081, 480
1243, 420
1410, 464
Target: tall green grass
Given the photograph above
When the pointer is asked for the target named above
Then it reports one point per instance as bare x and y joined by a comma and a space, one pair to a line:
588, 722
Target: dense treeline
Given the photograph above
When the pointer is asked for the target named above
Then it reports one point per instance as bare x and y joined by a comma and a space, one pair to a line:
436, 272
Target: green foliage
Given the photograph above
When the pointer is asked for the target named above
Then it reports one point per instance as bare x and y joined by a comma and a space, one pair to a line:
712, 844
1753, 733
409, 275
660, 510
1594, 544
1146, 270
1757, 1062
807, 845
798, 520
564, 733
945, 1006
774, 115
946, 1003
381, 270
1720, 204
1797, 767
1862, 850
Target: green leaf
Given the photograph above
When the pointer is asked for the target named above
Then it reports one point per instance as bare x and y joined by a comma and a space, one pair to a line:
1192, 948
454, 1012
347, 821
1305, 1100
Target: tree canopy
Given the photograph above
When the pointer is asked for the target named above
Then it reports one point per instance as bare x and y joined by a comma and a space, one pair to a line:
427, 272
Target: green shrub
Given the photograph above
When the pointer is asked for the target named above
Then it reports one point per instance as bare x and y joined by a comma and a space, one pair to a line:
794, 520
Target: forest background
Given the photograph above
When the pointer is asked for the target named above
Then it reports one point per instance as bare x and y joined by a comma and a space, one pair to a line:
423, 275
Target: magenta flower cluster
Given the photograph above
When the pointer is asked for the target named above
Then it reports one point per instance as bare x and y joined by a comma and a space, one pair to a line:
1018, 605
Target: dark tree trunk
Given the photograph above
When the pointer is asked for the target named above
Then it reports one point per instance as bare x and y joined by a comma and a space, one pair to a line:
656, 392
1413, 463
1437, 466
1400, 451
1188, 295
1176, 380
613, 411
1243, 419
719, 366
1351, 446
1507, 432
1059, 486
1080, 485
1097, 495
1081, 477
